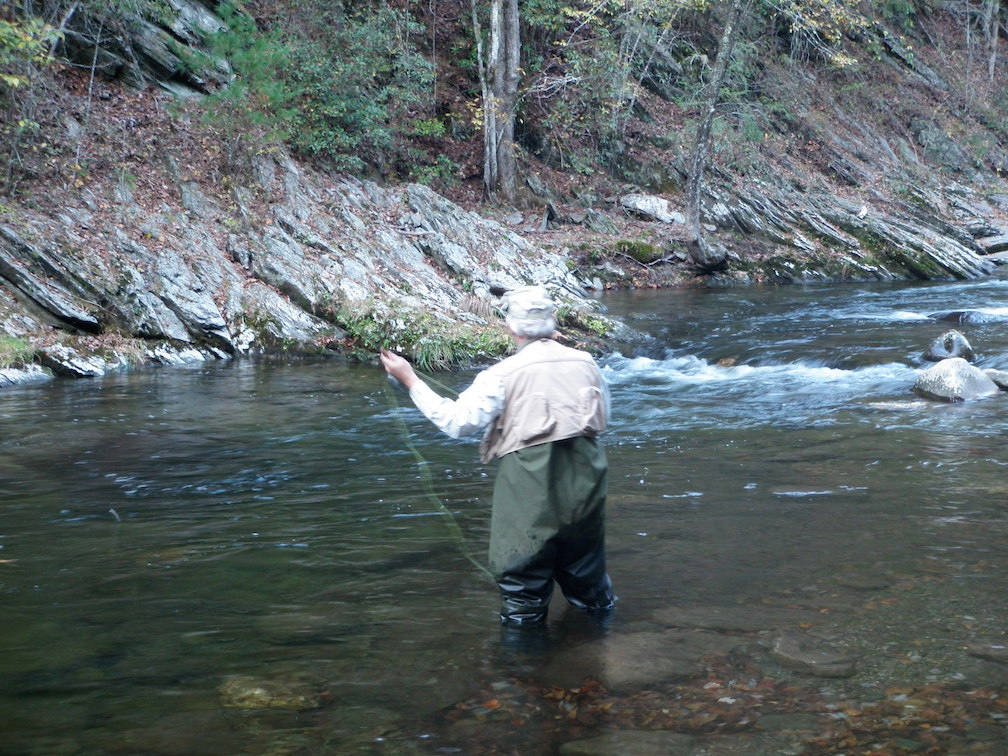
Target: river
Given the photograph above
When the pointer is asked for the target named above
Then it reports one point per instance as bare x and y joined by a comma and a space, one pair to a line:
244, 558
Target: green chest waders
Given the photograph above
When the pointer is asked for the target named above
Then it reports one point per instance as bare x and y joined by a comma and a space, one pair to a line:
548, 523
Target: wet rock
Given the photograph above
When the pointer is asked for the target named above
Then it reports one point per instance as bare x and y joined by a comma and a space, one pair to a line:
905, 745
746, 619
243, 692
967, 317
949, 344
810, 655
955, 380
65, 361
27, 374
1000, 377
635, 660
167, 354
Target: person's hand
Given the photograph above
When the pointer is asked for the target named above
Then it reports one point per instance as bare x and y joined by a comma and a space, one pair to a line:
398, 368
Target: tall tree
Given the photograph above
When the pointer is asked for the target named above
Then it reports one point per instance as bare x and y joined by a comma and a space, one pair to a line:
499, 77
700, 252
992, 30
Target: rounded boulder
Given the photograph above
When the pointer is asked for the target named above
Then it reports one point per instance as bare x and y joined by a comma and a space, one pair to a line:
955, 380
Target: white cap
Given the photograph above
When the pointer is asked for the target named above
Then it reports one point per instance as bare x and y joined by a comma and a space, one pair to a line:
529, 303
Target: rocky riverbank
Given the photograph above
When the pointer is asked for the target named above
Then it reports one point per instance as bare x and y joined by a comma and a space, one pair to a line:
183, 262
301, 263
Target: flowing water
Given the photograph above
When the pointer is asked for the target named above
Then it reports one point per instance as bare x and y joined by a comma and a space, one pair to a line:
244, 558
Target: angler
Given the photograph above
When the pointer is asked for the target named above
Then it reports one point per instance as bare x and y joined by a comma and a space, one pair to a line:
541, 410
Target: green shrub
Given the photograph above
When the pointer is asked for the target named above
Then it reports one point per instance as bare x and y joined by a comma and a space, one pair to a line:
638, 250
23, 43
14, 353
431, 343
356, 89
256, 108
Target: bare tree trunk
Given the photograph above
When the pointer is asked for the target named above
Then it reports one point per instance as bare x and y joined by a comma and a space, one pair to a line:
498, 76
489, 111
701, 254
506, 96
992, 30
969, 54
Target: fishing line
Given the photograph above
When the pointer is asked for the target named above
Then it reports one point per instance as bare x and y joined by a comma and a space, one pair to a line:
428, 480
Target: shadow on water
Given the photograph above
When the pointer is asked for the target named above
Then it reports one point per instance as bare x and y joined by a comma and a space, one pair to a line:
242, 558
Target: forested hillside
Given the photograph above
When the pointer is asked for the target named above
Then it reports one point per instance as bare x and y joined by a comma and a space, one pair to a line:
645, 142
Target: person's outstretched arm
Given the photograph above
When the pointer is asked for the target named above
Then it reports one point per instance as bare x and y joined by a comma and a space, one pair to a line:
474, 410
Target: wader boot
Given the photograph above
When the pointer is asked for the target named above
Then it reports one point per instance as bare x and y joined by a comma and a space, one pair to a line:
548, 523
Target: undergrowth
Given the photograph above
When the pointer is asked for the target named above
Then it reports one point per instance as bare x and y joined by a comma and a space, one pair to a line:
14, 352
431, 343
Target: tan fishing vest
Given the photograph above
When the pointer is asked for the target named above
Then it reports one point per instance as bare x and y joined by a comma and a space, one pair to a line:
552, 392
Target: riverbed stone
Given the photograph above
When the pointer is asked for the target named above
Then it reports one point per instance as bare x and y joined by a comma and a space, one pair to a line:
810, 655
997, 652
632, 661
745, 619
245, 692
955, 380
864, 580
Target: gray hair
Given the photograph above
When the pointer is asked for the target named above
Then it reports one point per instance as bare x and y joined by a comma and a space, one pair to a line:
531, 328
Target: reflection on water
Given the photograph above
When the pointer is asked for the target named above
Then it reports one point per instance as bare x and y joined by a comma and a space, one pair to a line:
240, 558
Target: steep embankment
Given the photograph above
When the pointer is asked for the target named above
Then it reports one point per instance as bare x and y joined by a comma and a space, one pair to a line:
168, 248
294, 262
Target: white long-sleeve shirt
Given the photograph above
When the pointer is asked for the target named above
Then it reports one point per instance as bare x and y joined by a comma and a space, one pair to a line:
476, 407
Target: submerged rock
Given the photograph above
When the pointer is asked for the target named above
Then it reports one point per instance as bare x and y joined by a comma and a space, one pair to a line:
997, 652
810, 655
635, 660
955, 380
243, 692
949, 344
746, 619
967, 317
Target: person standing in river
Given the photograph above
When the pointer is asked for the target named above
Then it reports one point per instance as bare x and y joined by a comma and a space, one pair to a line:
541, 409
